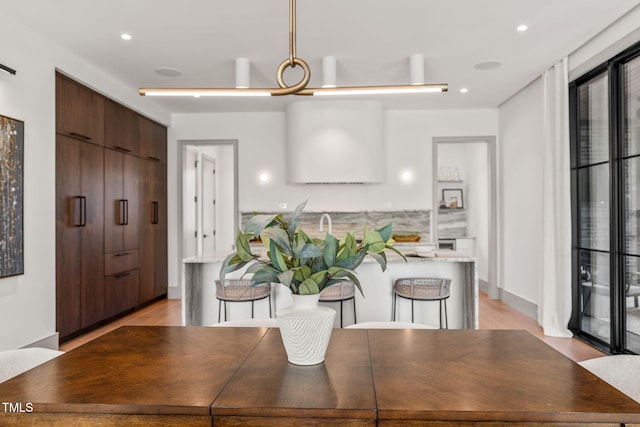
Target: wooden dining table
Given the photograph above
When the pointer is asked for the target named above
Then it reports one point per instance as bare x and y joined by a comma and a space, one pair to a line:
201, 376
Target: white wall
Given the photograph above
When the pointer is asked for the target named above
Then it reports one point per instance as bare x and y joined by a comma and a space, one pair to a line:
520, 162
520, 193
261, 146
27, 302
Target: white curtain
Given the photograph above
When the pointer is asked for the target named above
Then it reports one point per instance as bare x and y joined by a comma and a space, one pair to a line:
554, 308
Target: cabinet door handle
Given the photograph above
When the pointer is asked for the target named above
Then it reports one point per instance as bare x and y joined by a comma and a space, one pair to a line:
121, 275
81, 136
82, 205
155, 219
155, 159
123, 212
121, 148
83, 211
123, 254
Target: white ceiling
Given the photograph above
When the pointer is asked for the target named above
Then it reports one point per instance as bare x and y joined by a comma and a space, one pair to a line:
371, 39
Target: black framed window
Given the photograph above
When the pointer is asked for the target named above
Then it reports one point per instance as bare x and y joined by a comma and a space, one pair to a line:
605, 180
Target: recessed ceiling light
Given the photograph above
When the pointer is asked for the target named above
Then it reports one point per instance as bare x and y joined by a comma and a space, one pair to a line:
487, 65
125, 36
168, 72
464, 90
522, 28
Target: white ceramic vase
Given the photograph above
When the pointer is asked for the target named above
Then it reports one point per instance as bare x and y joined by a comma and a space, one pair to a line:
306, 329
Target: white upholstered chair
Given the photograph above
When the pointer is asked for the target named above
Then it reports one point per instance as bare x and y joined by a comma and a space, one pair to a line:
621, 371
15, 362
250, 323
389, 325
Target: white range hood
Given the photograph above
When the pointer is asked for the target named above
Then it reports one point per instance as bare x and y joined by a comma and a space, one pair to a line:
335, 142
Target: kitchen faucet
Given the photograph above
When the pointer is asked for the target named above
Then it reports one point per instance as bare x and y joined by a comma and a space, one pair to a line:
328, 217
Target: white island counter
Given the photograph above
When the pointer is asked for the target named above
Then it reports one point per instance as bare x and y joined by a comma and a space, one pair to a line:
200, 306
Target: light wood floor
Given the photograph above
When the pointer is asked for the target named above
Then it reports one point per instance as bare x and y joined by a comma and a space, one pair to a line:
493, 315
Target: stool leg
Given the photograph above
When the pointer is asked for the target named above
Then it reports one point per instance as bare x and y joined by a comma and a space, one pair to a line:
270, 306
252, 309
341, 313
446, 318
355, 320
225, 311
411, 311
440, 313
219, 309
393, 307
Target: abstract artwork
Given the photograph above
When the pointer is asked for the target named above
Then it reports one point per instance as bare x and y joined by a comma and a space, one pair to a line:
11, 196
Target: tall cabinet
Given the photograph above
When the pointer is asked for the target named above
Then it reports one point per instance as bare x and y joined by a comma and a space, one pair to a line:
111, 229
153, 239
79, 234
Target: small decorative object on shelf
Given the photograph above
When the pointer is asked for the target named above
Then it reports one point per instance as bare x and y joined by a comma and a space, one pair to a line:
452, 198
306, 266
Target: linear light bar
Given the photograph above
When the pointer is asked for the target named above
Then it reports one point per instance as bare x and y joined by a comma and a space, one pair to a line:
375, 90
193, 92
335, 91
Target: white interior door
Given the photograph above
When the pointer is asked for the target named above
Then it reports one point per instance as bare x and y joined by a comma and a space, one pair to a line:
208, 204
189, 220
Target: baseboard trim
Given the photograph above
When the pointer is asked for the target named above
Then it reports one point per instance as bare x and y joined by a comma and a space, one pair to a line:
52, 342
522, 305
174, 292
483, 285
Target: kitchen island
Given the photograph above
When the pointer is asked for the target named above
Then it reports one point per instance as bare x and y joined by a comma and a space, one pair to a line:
200, 306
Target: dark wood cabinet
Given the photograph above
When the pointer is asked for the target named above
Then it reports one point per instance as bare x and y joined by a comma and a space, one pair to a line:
121, 201
120, 128
111, 208
79, 111
121, 292
152, 139
153, 241
79, 234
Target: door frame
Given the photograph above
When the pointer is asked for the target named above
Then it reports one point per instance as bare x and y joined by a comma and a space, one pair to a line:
182, 147
493, 231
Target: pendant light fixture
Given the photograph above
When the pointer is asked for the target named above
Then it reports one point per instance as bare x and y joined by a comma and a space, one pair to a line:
299, 88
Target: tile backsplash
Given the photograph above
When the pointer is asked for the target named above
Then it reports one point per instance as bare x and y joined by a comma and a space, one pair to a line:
403, 222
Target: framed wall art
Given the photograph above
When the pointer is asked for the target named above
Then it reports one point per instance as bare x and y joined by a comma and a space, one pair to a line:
11, 196
453, 198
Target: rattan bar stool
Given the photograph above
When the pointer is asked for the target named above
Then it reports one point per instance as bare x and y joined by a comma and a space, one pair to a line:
240, 290
342, 292
422, 289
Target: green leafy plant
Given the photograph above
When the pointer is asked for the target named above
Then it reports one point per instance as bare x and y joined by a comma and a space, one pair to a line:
303, 264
